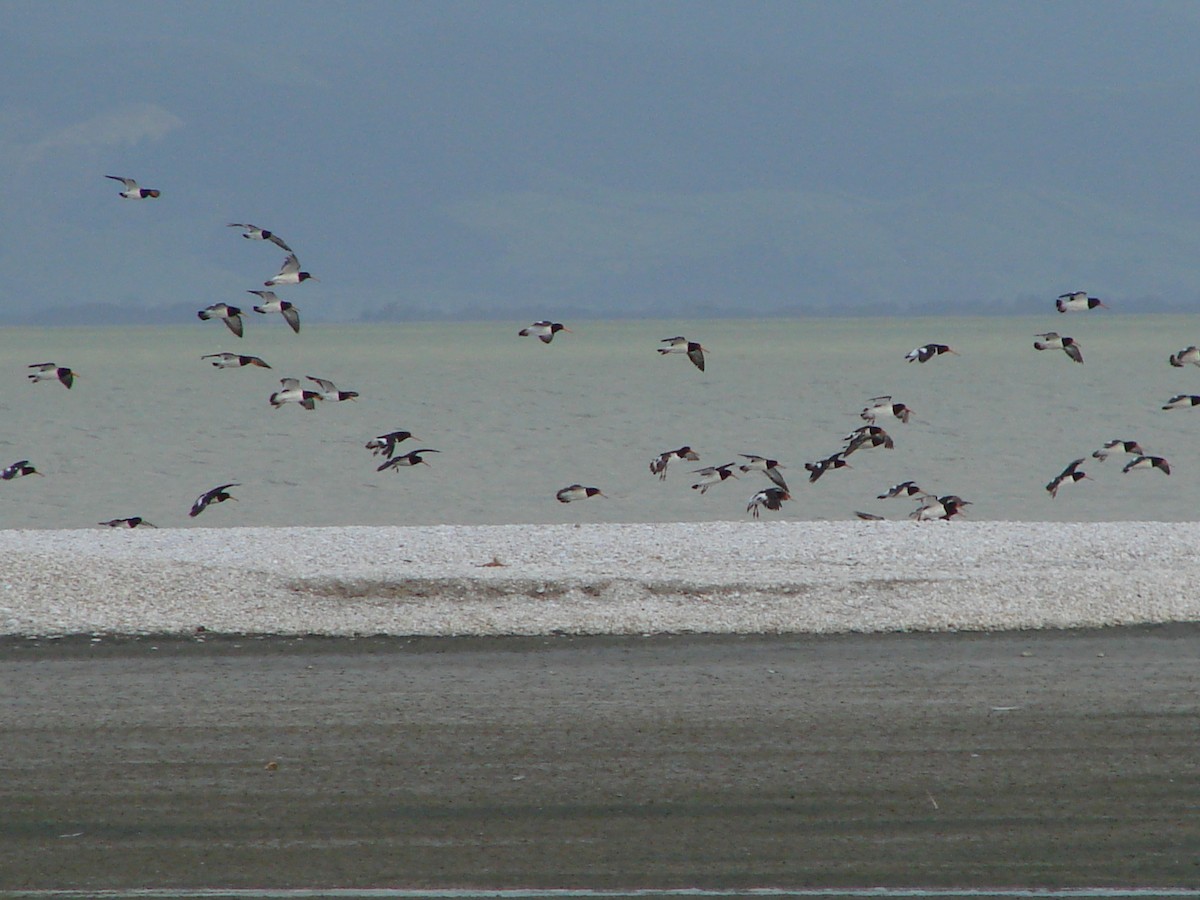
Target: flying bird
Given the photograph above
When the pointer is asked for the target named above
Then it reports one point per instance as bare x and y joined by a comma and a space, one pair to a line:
769, 467
52, 371
1148, 462
230, 315
928, 352
1182, 401
867, 436
1052, 340
946, 507
132, 191
234, 360
577, 492
271, 303
289, 273
1185, 356
544, 330
680, 344
219, 494
131, 522
411, 458
385, 444
883, 406
771, 498
658, 465
1077, 301
710, 475
18, 469
821, 466
329, 390
254, 233
1069, 475
1131, 447
903, 489
292, 393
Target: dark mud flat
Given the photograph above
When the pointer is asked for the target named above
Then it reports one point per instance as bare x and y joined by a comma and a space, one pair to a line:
1018, 759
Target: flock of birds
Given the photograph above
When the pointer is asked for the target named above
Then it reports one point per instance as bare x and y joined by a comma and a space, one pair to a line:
313, 390
931, 505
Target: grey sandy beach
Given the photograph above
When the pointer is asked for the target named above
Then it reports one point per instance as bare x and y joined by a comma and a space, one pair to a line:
1052, 758
381, 718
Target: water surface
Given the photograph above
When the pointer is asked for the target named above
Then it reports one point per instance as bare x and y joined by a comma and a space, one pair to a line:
149, 426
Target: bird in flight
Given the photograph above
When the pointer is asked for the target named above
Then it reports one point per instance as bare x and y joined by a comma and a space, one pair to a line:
219, 494
132, 191
254, 233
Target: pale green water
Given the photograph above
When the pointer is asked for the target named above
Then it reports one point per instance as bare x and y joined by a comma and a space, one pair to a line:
150, 426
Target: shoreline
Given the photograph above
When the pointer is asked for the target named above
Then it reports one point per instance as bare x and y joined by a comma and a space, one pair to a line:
704, 578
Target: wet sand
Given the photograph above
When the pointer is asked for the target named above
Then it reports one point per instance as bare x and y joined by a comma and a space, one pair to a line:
1049, 758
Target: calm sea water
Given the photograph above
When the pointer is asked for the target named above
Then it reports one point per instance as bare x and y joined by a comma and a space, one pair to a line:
150, 426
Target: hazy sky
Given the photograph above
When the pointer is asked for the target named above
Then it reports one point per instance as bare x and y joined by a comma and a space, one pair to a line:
600, 158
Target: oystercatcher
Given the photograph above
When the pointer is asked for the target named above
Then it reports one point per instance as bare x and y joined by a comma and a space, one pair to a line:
271, 303
658, 465
1077, 301
219, 494
544, 330
230, 315
132, 191
51, 372
254, 233
577, 492
1052, 340
680, 344
289, 273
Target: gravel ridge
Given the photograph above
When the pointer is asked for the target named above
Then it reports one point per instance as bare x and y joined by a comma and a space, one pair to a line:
712, 577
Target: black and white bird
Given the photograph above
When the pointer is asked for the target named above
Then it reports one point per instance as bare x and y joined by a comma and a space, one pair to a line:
946, 507
772, 498
1182, 401
1069, 475
272, 304
769, 467
658, 465
329, 390
52, 372
544, 330
219, 494
132, 191
230, 315
411, 458
926, 353
1133, 448
680, 344
289, 273
130, 522
865, 437
821, 466
291, 392
254, 233
577, 492
18, 469
1052, 340
1148, 462
710, 475
385, 444
883, 406
1077, 301
1185, 356
903, 489
235, 360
